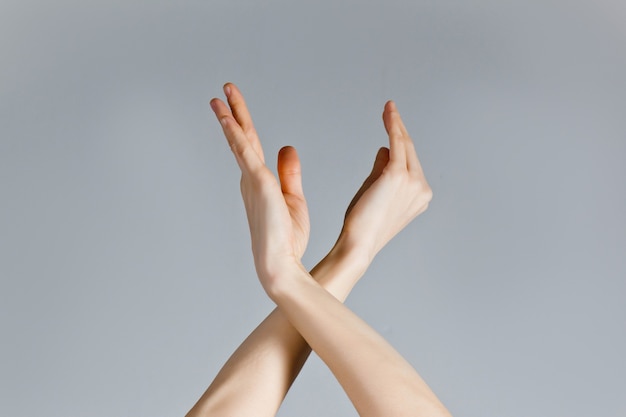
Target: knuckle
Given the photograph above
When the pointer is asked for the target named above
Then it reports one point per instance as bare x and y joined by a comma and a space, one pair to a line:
250, 131
396, 134
236, 148
233, 147
243, 150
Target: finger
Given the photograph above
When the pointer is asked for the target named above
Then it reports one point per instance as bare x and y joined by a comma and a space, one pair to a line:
247, 157
396, 131
242, 115
289, 171
220, 109
412, 161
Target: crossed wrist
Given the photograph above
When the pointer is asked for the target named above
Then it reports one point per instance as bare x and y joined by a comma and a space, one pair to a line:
282, 279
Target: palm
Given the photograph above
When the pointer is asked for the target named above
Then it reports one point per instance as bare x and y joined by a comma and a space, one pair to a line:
300, 223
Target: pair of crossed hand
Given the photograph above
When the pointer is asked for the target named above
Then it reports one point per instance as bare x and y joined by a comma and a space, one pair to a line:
393, 194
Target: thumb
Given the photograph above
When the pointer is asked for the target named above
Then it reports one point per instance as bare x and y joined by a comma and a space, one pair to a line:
382, 158
289, 171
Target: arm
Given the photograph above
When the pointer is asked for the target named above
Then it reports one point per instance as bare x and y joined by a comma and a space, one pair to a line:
275, 252
378, 381
256, 378
376, 378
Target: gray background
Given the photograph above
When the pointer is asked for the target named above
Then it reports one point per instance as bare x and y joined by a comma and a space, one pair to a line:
126, 275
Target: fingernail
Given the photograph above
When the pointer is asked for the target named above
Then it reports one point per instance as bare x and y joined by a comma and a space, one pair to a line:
227, 90
212, 104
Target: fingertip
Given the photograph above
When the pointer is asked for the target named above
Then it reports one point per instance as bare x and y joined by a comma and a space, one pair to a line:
387, 116
287, 148
287, 157
389, 110
214, 102
288, 154
228, 89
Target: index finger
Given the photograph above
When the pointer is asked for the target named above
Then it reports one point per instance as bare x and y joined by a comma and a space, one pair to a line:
400, 139
242, 115
247, 157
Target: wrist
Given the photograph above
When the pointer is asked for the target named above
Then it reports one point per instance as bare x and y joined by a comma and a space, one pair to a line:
340, 269
353, 248
283, 280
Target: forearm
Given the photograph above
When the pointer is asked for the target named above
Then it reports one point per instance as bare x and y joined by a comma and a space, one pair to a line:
378, 380
256, 378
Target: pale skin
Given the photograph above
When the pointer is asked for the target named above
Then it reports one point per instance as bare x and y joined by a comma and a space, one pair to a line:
309, 313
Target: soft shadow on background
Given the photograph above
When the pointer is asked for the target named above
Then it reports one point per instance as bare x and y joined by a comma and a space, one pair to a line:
126, 278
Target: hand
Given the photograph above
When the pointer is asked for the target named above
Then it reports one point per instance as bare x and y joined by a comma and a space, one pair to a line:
277, 214
393, 194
